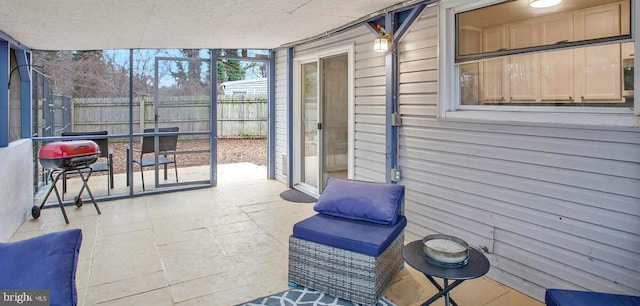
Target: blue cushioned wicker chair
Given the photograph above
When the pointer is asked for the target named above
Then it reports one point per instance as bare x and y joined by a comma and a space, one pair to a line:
352, 248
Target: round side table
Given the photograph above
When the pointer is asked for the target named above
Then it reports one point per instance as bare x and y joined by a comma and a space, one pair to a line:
478, 265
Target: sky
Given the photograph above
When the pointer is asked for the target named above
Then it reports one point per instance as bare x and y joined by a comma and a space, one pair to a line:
144, 61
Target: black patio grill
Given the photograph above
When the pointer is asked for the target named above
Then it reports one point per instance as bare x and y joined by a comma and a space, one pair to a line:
66, 157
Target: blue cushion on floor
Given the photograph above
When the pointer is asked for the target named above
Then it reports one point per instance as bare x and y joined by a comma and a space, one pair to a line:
358, 236
46, 262
559, 297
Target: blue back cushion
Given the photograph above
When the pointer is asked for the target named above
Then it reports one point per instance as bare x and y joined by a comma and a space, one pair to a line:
357, 236
46, 262
372, 202
560, 297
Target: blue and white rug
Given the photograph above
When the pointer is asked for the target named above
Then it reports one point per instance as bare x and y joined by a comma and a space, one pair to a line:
305, 297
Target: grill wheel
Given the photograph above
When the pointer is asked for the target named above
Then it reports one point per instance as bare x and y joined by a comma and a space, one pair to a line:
78, 201
35, 212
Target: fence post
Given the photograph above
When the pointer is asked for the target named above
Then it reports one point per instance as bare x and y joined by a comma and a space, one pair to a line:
142, 110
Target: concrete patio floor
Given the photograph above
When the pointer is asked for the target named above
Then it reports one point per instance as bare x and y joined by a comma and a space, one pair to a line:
216, 246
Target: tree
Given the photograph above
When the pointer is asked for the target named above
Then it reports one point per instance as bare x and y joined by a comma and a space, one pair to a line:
83, 73
106, 73
230, 69
58, 68
90, 69
188, 72
257, 70
189, 77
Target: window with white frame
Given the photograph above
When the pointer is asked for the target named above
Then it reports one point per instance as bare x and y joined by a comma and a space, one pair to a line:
509, 57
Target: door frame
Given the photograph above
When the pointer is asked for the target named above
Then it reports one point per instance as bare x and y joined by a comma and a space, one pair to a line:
298, 61
213, 121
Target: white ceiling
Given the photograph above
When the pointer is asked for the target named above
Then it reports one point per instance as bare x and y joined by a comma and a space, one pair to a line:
124, 24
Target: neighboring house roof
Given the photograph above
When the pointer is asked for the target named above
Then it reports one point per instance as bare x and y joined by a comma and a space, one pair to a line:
101, 25
251, 86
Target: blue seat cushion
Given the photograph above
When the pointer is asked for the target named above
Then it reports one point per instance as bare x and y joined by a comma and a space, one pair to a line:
46, 262
357, 236
560, 297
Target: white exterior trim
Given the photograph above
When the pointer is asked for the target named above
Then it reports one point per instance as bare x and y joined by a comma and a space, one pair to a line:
297, 109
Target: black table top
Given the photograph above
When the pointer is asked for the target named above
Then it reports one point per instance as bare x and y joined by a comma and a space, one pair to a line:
478, 264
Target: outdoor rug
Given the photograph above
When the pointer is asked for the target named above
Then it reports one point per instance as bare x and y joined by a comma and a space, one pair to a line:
293, 195
305, 297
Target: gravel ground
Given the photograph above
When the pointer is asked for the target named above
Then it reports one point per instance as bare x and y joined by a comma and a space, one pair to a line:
229, 151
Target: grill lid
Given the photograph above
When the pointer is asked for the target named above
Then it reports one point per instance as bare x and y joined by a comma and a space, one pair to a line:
68, 149
67, 155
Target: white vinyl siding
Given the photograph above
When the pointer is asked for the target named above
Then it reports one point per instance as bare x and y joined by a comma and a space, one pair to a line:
554, 205
370, 111
281, 114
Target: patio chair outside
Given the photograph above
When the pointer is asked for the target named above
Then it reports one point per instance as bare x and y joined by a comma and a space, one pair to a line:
167, 145
101, 166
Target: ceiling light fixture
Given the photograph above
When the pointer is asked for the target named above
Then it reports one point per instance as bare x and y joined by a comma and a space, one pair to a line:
543, 3
381, 43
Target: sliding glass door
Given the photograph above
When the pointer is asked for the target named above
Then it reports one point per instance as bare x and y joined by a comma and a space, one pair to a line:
324, 121
310, 125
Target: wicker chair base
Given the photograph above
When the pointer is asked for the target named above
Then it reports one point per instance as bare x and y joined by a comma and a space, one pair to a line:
348, 275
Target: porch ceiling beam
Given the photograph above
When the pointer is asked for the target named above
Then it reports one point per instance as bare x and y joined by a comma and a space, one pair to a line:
403, 20
372, 25
24, 65
406, 19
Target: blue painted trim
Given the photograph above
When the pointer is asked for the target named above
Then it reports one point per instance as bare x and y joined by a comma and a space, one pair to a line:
130, 151
23, 64
140, 194
396, 23
4, 93
271, 134
390, 100
290, 117
23, 59
213, 115
408, 21
6, 37
371, 25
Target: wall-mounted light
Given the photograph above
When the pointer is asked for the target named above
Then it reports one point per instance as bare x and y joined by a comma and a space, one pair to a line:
381, 43
543, 3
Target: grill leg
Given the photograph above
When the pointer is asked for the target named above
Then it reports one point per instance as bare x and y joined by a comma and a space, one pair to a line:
55, 188
64, 212
142, 177
86, 186
50, 176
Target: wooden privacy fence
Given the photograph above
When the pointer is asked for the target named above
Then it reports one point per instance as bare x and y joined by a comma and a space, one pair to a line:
244, 117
